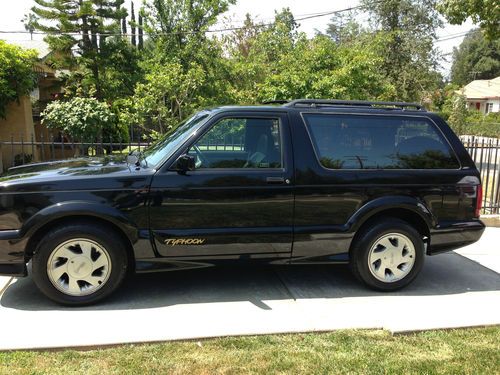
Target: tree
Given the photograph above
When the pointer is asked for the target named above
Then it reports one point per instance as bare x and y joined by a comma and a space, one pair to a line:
458, 115
84, 24
29, 21
16, 73
475, 58
277, 62
132, 24
408, 29
140, 32
343, 28
486, 13
182, 67
84, 119
320, 68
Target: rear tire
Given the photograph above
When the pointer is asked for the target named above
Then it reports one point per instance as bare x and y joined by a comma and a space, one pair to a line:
79, 264
387, 256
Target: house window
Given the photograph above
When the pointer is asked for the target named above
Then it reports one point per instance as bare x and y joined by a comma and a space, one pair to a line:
488, 108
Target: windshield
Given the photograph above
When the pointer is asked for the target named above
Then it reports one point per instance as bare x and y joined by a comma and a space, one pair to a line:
169, 142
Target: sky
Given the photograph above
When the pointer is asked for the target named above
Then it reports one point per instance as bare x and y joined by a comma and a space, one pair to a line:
263, 10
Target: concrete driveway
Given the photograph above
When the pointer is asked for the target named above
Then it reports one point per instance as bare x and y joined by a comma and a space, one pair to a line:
458, 289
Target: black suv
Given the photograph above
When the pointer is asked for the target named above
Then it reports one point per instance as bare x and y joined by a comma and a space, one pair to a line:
377, 185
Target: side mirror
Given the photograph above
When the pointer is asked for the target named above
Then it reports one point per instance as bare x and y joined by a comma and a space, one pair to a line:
132, 159
185, 163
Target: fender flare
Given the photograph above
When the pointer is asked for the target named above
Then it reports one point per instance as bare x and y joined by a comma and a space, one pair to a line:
82, 209
381, 204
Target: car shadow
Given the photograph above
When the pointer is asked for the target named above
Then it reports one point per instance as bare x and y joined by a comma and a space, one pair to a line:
442, 275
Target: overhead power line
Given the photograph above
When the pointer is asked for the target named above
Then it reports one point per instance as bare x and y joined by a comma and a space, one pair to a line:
187, 32
225, 29
454, 36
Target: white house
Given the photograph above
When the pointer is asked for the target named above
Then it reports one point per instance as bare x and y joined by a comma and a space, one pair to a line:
483, 95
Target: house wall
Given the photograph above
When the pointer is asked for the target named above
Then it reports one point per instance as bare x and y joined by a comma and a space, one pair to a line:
17, 125
496, 105
472, 104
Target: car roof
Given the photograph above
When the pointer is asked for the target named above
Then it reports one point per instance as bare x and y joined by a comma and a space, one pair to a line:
334, 106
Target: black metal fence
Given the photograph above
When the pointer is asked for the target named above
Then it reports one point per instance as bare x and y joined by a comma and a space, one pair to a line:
486, 154
21, 151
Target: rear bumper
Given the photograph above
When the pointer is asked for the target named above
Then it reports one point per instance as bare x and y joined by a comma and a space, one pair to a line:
12, 258
451, 236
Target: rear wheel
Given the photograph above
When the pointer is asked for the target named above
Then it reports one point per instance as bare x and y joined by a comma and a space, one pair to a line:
79, 264
388, 255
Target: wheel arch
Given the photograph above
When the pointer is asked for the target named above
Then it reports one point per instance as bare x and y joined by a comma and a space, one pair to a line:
406, 209
77, 212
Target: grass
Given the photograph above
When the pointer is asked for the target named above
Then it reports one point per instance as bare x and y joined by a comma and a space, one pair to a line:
463, 351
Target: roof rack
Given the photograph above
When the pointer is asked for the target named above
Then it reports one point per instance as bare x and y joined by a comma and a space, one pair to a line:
314, 103
280, 101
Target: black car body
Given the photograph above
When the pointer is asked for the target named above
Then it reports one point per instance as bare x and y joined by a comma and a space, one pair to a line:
278, 194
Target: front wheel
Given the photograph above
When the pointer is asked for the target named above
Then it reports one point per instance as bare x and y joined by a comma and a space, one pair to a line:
79, 264
388, 256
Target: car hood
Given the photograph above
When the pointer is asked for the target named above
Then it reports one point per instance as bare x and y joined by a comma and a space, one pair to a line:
90, 172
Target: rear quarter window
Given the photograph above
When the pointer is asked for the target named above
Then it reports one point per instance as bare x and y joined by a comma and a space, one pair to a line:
378, 142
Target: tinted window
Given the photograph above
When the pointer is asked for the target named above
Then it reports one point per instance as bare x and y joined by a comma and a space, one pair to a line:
240, 143
376, 142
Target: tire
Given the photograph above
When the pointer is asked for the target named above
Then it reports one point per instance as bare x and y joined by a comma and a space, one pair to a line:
79, 264
387, 256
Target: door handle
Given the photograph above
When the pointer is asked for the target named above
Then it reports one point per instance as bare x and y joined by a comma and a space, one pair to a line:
277, 180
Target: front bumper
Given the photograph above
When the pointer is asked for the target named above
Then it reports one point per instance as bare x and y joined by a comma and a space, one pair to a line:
12, 256
451, 236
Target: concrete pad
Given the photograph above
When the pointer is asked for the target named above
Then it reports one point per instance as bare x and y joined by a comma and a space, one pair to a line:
452, 291
4, 283
487, 252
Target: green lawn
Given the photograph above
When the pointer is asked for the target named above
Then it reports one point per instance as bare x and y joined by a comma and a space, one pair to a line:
464, 351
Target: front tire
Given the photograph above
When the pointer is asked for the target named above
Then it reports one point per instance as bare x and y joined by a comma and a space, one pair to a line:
388, 256
79, 264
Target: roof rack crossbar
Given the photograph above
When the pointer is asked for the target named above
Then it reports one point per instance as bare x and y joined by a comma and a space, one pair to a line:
279, 101
351, 103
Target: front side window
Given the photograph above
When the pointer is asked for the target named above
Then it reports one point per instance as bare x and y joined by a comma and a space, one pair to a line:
378, 142
240, 143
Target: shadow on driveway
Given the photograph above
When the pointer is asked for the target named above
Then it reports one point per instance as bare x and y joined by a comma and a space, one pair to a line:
442, 275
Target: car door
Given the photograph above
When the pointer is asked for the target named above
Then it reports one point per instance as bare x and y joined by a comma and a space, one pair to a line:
238, 202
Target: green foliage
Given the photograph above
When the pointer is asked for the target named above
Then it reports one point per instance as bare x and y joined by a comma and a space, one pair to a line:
406, 30
167, 95
458, 115
179, 68
484, 125
475, 58
343, 28
318, 68
83, 24
84, 119
486, 13
16, 73
182, 71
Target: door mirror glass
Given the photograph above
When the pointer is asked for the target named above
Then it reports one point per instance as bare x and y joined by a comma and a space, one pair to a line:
132, 159
185, 163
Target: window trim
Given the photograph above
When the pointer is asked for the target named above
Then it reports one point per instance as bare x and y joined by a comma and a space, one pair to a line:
431, 122
272, 116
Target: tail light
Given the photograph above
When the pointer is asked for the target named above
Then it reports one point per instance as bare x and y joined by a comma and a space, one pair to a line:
479, 200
